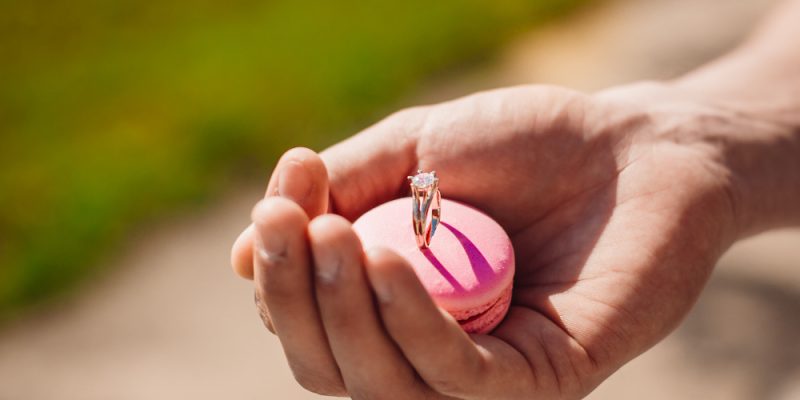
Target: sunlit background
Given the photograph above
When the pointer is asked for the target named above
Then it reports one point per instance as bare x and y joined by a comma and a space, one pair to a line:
136, 136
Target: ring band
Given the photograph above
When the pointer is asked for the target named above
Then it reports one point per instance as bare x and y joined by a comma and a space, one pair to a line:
426, 200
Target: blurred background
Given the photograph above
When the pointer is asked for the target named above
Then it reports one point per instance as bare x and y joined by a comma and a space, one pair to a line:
136, 136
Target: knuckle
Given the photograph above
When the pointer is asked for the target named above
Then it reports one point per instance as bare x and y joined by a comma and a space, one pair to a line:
460, 382
263, 312
370, 395
407, 121
447, 386
277, 296
405, 115
282, 298
322, 384
281, 284
265, 265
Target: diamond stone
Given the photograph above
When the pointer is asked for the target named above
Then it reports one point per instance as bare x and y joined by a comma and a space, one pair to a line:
423, 180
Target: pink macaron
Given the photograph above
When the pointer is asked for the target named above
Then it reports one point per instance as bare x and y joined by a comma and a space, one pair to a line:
468, 268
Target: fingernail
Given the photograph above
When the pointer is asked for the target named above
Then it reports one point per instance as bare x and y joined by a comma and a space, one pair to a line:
294, 182
270, 246
327, 262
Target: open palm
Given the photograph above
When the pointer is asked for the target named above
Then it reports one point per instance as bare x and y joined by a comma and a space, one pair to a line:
617, 212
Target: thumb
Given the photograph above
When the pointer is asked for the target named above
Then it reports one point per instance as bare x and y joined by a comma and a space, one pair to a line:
300, 176
370, 168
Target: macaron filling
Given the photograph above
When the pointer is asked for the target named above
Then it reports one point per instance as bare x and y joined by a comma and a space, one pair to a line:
485, 318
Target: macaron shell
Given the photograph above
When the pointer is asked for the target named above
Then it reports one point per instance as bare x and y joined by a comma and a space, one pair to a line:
469, 266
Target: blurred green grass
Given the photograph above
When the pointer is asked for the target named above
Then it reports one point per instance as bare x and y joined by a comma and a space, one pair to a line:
112, 113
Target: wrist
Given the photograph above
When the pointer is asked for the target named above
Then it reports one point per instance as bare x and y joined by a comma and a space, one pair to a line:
756, 141
764, 164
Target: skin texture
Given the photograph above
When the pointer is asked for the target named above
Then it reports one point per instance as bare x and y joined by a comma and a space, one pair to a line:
618, 204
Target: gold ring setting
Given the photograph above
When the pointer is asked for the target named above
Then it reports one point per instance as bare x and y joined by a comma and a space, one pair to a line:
426, 210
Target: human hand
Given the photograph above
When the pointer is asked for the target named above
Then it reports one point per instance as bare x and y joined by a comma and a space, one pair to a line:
618, 204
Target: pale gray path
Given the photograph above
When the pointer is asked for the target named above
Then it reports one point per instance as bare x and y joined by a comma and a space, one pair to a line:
171, 321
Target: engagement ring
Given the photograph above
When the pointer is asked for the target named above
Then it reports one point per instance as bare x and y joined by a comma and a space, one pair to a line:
425, 198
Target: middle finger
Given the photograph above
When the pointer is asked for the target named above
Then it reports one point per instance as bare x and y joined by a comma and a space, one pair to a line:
371, 364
